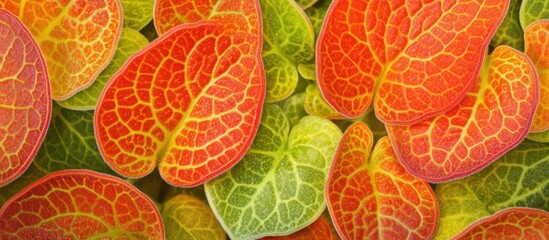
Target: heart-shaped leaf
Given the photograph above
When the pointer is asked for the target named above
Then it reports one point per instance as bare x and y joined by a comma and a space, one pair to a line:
510, 32
288, 38
371, 196
533, 10
511, 223
536, 40
419, 59
318, 230
190, 101
80, 204
278, 188
187, 217
493, 118
78, 38
236, 14
25, 99
69, 144
519, 179
137, 13
130, 42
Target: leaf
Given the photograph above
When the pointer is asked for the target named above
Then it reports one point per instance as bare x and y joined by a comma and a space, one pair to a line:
288, 38
190, 102
493, 118
137, 13
316, 14
518, 179
510, 32
25, 100
69, 144
130, 42
307, 71
169, 14
539, 137
318, 230
419, 59
80, 204
186, 217
511, 223
532, 10
78, 38
293, 107
370, 196
316, 105
304, 4
278, 188
536, 38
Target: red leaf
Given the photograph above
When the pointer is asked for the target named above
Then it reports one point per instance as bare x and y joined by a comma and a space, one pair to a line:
419, 59
318, 230
80, 204
25, 98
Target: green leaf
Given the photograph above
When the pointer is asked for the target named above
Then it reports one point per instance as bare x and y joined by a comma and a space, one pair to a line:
519, 179
539, 137
137, 13
69, 144
288, 39
316, 105
304, 4
532, 10
278, 187
510, 32
187, 217
307, 71
316, 14
293, 107
130, 42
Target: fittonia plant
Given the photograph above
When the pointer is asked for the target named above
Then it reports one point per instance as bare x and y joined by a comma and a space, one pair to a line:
282, 119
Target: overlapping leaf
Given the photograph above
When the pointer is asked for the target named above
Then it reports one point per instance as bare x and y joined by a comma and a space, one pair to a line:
318, 230
130, 42
316, 105
278, 188
419, 59
80, 204
511, 223
510, 32
494, 117
190, 101
78, 38
519, 179
536, 38
304, 4
137, 13
371, 196
293, 107
186, 217
237, 14
532, 10
69, 144
25, 98
288, 40
316, 14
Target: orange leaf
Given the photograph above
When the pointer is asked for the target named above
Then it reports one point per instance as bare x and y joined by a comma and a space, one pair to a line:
493, 118
25, 98
418, 58
80, 204
318, 230
373, 197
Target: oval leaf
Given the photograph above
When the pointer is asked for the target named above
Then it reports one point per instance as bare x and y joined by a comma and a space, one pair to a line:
536, 38
318, 230
190, 101
277, 189
187, 217
533, 10
25, 99
137, 13
80, 204
519, 179
511, 223
420, 59
130, 42
316, 105
493, 118
370, 196
78, 38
